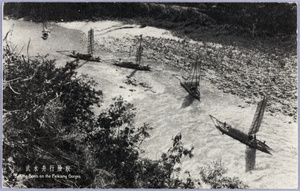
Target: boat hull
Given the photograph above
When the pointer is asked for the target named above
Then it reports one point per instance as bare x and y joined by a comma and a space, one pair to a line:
241, 136
191, 89
132, 66
87, 57
45, 35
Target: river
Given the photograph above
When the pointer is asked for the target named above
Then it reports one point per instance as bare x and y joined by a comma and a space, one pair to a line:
170, 110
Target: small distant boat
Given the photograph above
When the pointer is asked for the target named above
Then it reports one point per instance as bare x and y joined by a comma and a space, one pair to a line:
250, 138
192, 82
138, 59
45, 32
90, 55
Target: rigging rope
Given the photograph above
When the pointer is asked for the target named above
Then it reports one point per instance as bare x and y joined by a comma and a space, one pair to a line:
175, 75
243, 119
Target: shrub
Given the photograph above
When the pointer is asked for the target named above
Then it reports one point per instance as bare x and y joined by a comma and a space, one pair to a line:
45, 110
213, 175
162, 173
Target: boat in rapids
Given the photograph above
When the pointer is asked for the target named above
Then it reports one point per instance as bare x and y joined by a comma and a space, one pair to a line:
192, 82
45, 32
246, 138
138, 59
90, 55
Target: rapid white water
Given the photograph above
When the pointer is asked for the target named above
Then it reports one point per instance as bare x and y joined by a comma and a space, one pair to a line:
170, 110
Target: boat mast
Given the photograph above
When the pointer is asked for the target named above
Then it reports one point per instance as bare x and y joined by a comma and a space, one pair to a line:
91, 42
139, 51
194, 73
258, 116
44, 26
199, 76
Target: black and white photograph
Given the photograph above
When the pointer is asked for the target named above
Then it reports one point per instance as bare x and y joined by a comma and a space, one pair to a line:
149, 95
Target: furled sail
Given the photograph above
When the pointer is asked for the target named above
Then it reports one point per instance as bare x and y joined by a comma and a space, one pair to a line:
44, 26
91, 42
192, 82
258, 116
139, 51
195, 74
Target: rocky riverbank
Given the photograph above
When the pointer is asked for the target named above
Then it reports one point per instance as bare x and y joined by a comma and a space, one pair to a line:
245, 72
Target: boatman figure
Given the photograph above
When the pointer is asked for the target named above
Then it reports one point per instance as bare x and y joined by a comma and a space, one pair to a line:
252, 139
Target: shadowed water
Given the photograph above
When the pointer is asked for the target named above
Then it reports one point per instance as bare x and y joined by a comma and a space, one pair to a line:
250, 158
188, 100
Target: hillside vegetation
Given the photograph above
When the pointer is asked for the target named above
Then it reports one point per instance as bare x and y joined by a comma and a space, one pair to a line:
270, 19
268, 27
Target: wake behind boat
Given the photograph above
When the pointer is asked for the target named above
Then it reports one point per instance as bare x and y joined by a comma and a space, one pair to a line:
250, 138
